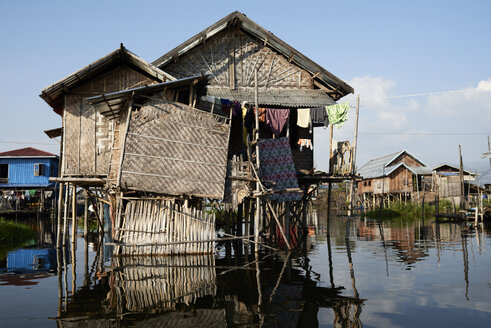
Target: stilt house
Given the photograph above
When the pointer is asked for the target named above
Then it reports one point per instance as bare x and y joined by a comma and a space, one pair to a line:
396, 176
178, 129
447, 181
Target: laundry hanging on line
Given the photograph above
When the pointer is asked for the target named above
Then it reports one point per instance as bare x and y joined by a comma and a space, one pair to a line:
276, 118
319, 117
307, 143
303, 117
338, 113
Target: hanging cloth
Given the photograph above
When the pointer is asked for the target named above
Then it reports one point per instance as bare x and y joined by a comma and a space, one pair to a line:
249, 120
244, 129
338, 113
303, 119
236, 108
225, 106
319, 117
307, 143
262, 114
276, 119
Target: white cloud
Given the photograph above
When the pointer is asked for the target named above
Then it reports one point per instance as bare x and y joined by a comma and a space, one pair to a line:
430, 127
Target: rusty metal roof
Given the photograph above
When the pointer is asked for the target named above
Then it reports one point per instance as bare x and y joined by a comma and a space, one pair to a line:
27, 152
289, 98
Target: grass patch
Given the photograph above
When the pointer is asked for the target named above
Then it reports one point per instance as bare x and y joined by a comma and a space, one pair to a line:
407, 211
13, 235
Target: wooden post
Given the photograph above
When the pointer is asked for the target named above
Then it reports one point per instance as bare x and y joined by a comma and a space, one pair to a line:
258, 201
59, 215
65, 213
353, 155
74, 215
287, 222
461, 171
331, 164
477, 202
423, 202
328, 209
86, 215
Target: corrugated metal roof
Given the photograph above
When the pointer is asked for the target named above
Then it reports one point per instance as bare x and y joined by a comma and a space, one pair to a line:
52, 93
330, 81
27, 152
380, 167
290, 98
375, 167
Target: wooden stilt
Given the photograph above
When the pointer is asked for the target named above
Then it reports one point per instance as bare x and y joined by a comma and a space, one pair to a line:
65, 213
74, 215
86, 215
59, 215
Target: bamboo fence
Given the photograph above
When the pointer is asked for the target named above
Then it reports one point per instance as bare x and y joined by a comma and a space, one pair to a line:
163, 227
160, 283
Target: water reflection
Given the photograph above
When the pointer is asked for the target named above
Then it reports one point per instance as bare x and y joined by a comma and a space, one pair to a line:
333, 281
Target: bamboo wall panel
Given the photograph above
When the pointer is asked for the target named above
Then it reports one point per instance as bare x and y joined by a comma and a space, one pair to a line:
233, 46
175, 149
162, 227
71, 121
87, 141
160, 283
89, 135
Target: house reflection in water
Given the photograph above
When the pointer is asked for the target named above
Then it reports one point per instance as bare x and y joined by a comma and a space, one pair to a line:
204, 291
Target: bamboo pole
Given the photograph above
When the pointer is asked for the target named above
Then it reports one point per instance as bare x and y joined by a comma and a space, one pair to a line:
256, 139
461, 174
59, 215
353, 159
65, 213
74, 215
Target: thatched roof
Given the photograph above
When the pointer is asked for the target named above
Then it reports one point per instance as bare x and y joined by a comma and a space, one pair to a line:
337, 88
53, 94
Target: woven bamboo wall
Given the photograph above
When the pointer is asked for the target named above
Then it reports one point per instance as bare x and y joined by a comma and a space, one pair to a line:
175, 149
89, 135
233, 46
162, 227
160, 283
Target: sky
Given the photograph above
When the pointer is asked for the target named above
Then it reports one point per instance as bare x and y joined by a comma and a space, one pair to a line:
422, 69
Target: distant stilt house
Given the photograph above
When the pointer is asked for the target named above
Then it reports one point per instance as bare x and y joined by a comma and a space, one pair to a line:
448, 184
24, 179
399, 176
160, 138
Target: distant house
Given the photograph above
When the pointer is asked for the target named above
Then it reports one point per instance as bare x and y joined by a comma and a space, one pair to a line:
447, 181
26, 169
395, 175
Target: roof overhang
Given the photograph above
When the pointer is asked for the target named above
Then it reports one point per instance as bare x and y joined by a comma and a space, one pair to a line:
53, 133
110, 105
291, 98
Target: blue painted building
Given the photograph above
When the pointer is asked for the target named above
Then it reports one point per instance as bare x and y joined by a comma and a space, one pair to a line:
27, 168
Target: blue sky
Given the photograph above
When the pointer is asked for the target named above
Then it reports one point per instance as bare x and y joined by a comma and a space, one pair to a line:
382, 48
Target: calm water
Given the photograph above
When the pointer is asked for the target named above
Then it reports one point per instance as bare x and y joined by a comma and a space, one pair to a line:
389, 274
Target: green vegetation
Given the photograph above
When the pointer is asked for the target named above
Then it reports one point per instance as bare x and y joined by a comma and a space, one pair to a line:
13, 235
408, 210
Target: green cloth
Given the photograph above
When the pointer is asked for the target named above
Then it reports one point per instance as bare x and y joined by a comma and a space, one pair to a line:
338, 113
